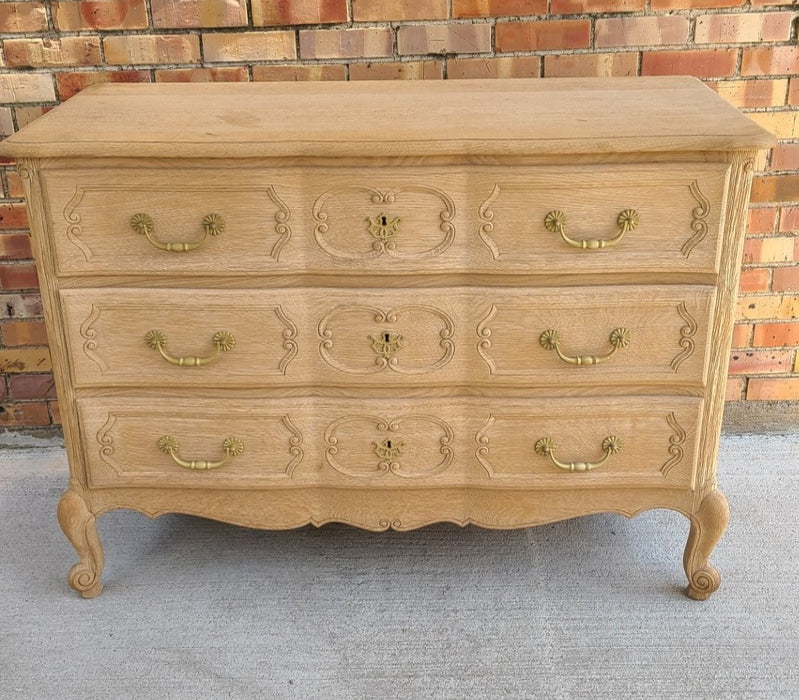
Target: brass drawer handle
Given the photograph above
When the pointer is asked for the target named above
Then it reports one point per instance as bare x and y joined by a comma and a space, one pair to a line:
222, 340
545, 447
213, 225
169, 445
550, 340
627, 220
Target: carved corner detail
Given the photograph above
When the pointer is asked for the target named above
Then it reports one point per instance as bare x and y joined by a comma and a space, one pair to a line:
676, 442
487, 226
89, 336
282, 228
484, 333
698, 219
73, 221
687, 333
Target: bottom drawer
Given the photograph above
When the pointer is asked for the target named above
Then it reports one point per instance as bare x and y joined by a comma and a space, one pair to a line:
394, 443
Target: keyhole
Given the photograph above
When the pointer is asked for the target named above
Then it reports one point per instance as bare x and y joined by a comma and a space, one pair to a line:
386, 337
388, 444
383, 221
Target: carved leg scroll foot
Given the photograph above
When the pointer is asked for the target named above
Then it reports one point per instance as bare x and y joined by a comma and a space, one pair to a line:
79, 526
707, 526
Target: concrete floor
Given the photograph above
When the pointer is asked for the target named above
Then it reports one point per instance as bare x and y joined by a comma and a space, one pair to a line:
588, 608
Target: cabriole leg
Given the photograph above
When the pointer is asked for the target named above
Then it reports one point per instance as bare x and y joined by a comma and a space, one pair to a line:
79, 526
707, 526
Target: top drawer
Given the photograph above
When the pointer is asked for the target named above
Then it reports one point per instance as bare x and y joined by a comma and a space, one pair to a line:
653, 218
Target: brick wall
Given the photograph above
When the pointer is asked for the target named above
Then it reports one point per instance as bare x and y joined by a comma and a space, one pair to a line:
745, 49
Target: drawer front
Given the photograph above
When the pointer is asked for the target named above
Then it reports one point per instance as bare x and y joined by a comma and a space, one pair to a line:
591, 336
549, 220
566, 443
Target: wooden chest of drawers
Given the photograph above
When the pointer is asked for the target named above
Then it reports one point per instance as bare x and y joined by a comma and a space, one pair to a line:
501, 303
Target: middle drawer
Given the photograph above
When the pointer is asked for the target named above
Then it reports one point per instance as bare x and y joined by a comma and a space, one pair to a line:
460, 336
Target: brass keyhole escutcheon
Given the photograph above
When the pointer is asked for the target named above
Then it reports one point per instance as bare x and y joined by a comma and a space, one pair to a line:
386, 344
382, 227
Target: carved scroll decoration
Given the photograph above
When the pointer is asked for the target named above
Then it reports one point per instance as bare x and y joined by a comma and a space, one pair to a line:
484, 332
487, 226
676, 441
390, 450
388, 245
89, 336
698, 219
687, 333
74, 228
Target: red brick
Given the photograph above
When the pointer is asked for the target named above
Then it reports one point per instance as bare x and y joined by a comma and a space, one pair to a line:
754, 279
591, 65
346, 43
735, 389
641, 31
55, 412
498, 8
281, 12
793, 92
14, 189
543, 36
761, 220
760, 361
503, 67
403, 70
22, 17
315, 71
694, 4
789, 220
18, 276
785, 157
564, 7
15, 246
17, 333
227, 74
70, 84
443, 38
13, 216
702, 63
250, 46
44, 53
743, 27
169, 14
757, 3
155, 49
786, 279
24, 415
769, 250
22, 360
398, 10
775, 335
741, 335
752, 93
3, 388
103, 14
775, 188
770, 60
782, 389
31, 386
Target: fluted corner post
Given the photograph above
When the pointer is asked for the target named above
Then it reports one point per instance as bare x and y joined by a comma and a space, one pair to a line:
707, 526
79, 525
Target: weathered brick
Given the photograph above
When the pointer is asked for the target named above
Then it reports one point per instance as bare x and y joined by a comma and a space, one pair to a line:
776, 188
641, 31
601, 65
13, 215
783, 124
444, 39
743, 27
70, 84
16, 360
250, 46
502, 67
15, 246
793, 92
772, 389
153, 49
106, 15
786, 279
741, 335
168, 14
398, 10
735, 389
20, 305
752, 93
3, 388
544, 35
761, 220
22, 17
564, 7
55, 412
16, 333
14, 188
280, 12
31, 386
498, 8
18, 276
694, 4
775, 335
373, 42
26, 87
758, 361
785, 156
316, 71
770, 60
25, 115
758, 3
6, 121
41, 53
789, 218
223, 74
758, 308
24, 415
768, 250
754, 279
406, 70
702, 63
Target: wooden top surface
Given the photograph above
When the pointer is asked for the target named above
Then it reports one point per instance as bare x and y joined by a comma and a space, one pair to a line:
519, 116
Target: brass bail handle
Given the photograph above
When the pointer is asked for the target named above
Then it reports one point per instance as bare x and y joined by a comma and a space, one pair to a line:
545, 447
550, 340
555, 221
213, 225
221, 340
231, 446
